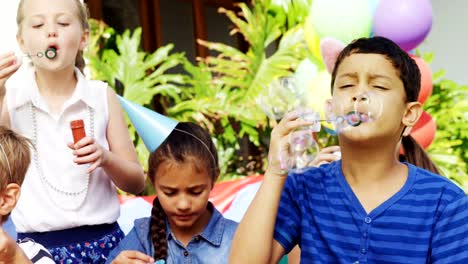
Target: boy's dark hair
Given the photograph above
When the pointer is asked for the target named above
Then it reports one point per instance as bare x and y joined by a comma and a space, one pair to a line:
188, 142
409, 74
15, 156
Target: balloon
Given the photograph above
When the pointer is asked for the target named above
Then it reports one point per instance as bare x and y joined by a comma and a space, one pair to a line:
319, 91
330, 49
406, 22
426, 79
311, 38
341, 19
373, 6
306, 70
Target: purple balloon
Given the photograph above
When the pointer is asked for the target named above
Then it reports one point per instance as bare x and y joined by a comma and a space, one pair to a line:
406, 22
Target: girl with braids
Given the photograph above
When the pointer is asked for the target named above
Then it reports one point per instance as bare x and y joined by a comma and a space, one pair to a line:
184, 226
69, 201
368, 207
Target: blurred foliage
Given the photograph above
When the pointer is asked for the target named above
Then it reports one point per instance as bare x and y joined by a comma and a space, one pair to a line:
448, 105
131, 72
215, 92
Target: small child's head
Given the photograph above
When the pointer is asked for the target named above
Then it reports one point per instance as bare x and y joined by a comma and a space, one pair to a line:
59, 24
380, 66
14, 162
183, 170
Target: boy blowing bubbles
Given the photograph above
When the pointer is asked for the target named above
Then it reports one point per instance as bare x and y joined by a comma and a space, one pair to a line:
14, 161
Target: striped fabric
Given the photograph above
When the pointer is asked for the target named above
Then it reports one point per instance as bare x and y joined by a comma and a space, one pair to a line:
37, 253
425, 222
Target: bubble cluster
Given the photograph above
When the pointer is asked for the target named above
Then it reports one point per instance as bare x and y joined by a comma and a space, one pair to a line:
281, 96
49, 53
347, 113
342, 113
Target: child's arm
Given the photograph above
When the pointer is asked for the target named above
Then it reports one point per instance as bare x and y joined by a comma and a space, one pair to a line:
10, 252
120, 162
253, 241
8, 66
450, 234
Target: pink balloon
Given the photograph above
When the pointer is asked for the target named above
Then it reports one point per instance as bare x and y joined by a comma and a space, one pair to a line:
406, 22
330, 48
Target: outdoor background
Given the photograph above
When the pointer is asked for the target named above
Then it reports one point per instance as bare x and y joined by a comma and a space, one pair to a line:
448, 38
222, 89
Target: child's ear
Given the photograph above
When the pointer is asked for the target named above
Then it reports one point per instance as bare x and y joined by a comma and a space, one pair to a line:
9, 198
411, 116
20, 41
330, 48
84, 39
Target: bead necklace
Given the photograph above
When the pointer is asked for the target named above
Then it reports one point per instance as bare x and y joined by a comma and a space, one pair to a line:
44, 180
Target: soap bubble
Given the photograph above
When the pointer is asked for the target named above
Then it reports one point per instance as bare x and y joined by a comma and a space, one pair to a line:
345, 114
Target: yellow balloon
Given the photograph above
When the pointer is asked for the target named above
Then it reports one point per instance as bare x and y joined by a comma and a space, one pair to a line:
311, 38
319, 92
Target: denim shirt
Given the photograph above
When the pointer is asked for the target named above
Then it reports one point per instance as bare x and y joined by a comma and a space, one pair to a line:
212, 245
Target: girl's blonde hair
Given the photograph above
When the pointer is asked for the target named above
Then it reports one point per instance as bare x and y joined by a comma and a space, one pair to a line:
82, 17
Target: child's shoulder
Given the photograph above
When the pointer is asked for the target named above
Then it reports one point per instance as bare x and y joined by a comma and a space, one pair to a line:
141, 226
427, 182
230, 224
230, 228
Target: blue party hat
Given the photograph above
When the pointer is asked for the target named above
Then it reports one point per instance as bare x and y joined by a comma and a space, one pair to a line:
152, 127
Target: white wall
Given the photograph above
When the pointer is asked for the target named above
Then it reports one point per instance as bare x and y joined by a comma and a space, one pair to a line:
8, 25
448, 39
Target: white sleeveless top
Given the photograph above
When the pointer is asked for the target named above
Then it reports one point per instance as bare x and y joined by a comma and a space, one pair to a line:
44, 204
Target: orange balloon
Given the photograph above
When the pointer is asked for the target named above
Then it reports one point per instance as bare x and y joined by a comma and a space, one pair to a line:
426, 79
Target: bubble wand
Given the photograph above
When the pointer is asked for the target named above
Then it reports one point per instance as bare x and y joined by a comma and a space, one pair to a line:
49, 53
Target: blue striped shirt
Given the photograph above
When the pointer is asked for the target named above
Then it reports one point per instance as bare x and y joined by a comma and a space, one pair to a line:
425, 222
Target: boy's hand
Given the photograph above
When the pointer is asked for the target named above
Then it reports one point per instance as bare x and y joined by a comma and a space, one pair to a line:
326, 155
132, 256
8, 65
10, 252
88, 151
278, 153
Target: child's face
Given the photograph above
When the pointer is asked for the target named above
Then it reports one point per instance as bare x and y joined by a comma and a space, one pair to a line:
51, 23
183, 192
373, 75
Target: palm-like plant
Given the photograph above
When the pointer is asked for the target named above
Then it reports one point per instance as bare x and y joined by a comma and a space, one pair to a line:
224, 87
219, 91
133, 73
